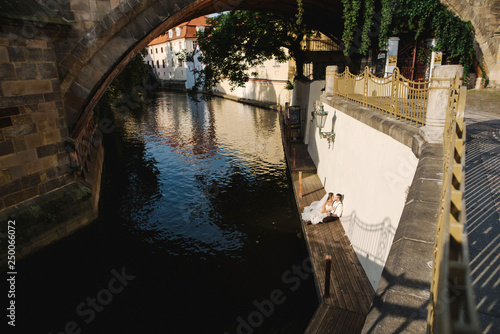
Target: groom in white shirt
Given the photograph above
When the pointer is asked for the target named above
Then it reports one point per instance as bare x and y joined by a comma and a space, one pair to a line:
336, 211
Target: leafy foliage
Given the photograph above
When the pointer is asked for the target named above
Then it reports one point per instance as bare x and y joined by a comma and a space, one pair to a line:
351, 9
239, 40
132, 76
423, 18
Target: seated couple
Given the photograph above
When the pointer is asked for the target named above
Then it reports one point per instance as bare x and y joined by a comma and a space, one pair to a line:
328, 209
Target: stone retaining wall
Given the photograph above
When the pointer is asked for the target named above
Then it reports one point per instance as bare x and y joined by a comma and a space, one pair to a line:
33, 128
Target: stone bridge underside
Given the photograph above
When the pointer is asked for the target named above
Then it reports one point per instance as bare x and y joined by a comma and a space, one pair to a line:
106, 34
96, 50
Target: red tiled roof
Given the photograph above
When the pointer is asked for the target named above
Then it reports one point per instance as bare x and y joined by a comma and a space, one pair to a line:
188, 29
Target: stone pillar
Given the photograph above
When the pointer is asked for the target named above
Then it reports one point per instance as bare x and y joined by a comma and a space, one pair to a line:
392, 55
438, 101
494, 74
436, 57
330, 82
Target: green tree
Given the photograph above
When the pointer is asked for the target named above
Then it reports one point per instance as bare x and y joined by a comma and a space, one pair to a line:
422, 19
239, 40
127, 87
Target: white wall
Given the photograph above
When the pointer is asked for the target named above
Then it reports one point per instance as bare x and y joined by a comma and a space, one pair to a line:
267, 86
305, 94
264, 91
374, 172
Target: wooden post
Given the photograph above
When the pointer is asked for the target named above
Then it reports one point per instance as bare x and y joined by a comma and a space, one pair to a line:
300, 184
328, 266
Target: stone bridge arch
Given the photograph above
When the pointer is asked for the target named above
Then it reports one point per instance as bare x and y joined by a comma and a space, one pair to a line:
106, 34
92, 58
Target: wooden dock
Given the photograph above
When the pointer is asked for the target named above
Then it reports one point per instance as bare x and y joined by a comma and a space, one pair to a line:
344, 309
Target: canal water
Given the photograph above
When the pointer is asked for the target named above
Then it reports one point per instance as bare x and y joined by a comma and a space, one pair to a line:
198, 232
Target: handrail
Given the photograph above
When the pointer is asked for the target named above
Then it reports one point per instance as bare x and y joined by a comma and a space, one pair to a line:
452, 308
394, 95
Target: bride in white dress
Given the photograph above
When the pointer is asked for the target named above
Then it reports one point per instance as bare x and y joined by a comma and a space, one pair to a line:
318, 210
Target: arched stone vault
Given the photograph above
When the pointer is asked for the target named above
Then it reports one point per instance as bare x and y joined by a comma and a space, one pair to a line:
92, 60
96, 50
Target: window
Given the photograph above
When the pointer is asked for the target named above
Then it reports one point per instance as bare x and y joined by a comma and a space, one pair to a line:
200, 29
156, 49
177, 32
194, 45
170, 46
170, 34
161, 50
157, 64
163, 63
172, 62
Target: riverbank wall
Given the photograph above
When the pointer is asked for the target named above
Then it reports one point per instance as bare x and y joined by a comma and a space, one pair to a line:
391, 178
52, 216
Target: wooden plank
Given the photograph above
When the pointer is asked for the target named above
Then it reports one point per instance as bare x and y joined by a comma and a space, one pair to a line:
343, 311
349, 282
318, 318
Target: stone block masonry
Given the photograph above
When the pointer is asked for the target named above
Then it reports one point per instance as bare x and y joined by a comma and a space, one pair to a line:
33, 127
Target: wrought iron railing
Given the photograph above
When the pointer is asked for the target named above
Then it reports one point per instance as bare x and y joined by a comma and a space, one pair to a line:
452, 308
394, 95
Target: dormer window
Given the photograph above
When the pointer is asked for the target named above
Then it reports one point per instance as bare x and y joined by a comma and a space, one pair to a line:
200, 29
170, 34
177, 32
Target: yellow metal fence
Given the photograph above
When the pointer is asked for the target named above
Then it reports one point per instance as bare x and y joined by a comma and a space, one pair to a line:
394, 95
452, 308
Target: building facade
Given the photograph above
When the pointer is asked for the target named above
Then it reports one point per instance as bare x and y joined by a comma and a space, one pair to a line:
163, 54
267, 83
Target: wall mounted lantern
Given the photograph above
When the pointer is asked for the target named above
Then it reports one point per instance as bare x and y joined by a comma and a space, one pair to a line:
320, 119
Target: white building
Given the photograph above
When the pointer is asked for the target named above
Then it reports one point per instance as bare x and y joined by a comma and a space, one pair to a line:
162, 54
268, 85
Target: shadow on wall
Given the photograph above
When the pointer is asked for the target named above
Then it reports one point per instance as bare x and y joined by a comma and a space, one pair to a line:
264, 91
414, 315
482, 198
371, 242
261, 91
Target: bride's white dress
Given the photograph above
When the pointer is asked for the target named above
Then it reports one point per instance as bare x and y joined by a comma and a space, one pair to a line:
313, 212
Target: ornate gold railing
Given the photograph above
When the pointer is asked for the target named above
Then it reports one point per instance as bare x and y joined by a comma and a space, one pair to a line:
452, 308
395, 96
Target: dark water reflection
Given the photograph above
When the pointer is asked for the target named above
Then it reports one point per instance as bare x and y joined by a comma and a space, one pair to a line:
196, 207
